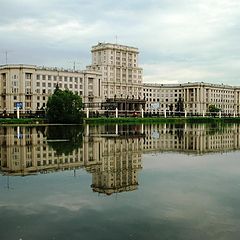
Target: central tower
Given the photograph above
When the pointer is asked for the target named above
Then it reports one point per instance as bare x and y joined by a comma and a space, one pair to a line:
121, 75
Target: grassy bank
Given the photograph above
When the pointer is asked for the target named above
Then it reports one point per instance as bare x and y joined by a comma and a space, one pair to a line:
162, 120
28, 121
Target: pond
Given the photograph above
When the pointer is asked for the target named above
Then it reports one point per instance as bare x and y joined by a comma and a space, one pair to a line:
160, 181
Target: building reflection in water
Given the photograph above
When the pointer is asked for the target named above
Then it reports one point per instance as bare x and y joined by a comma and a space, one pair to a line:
191, 138
111, 154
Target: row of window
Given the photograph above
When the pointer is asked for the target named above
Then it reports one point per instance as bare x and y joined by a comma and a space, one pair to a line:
161, 95
60, 78
117, 53
66, 85
162, 90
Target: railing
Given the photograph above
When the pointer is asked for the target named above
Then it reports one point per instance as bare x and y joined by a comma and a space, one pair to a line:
23, 114
90, 113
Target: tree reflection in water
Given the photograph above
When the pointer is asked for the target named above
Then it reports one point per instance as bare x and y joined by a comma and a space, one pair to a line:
64, 140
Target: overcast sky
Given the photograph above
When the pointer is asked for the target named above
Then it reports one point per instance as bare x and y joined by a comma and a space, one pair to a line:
179, 40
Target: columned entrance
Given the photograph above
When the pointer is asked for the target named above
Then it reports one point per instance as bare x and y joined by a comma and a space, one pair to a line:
124, 104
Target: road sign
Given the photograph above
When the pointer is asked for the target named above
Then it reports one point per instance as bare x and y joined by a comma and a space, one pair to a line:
19, 105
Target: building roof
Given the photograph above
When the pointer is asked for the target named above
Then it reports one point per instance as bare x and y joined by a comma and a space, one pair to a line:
102, 46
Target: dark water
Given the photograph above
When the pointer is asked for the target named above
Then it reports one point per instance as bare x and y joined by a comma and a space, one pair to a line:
120, 182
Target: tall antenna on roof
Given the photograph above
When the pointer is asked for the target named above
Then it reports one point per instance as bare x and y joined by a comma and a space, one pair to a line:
6, 52
6, 56
116, 37
74, 64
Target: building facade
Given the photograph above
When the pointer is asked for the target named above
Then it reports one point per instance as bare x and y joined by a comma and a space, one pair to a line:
121, 75
196, 97
32, 85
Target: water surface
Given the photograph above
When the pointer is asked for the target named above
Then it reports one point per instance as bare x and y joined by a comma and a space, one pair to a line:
120, 182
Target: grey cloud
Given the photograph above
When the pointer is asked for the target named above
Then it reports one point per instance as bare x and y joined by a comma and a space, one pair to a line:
200, 37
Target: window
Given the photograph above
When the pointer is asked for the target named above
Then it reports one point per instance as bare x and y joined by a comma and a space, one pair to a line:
28, 104
28, 75
27, 83
15, 84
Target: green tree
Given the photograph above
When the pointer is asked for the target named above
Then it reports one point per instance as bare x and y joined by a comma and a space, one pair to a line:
179, 107
171, 109
64, 107
213, 110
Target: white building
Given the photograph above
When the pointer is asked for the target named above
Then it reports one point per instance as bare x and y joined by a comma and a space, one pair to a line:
121, 74
32, 85
196, 97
